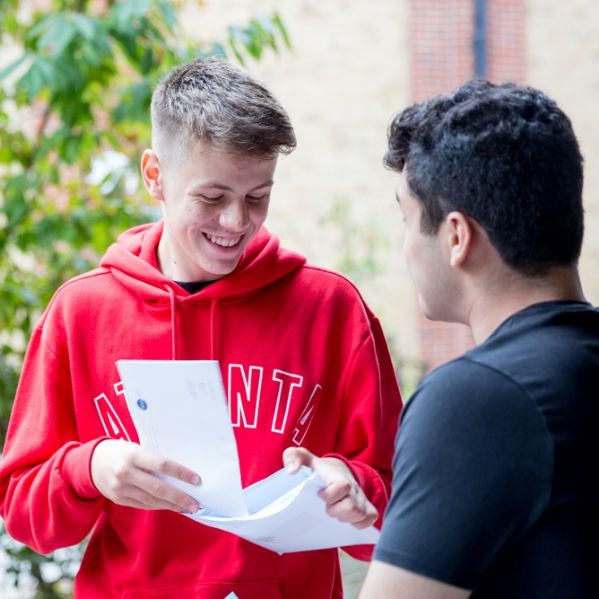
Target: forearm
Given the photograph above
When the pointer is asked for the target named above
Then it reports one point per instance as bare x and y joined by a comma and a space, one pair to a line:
51, 504
391, 582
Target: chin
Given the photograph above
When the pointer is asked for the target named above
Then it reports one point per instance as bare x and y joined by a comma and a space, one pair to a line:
440, 315
429, 311
219, 273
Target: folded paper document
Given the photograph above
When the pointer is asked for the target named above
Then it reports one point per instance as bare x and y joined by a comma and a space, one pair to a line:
179, 410
287, 514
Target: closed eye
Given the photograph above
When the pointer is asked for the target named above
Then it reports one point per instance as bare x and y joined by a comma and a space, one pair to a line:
211, 199
256, 199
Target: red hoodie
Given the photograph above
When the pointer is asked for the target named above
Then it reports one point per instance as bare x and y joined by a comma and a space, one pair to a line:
303, 360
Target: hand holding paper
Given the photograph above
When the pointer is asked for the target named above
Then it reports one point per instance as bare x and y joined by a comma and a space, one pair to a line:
180, 413
344, 498
121, 471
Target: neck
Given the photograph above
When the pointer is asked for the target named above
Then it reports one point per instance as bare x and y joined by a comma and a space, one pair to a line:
166, 263
495, 303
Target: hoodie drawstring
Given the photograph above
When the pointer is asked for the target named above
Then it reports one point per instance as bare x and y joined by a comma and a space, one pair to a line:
213, 329
173, 303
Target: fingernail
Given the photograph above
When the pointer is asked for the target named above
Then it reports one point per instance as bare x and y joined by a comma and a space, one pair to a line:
293, 466
195, 479
192, 507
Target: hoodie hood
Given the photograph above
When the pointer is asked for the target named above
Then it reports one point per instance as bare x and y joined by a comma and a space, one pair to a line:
132, 261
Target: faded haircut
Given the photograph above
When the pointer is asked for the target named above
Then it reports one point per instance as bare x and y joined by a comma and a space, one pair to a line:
212, 100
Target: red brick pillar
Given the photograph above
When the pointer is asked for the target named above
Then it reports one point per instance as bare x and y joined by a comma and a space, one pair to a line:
442, 57
506, 40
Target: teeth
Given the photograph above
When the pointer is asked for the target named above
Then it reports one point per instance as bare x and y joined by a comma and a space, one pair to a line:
223, 241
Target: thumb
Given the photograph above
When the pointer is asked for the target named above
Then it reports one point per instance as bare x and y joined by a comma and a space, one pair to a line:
295, 457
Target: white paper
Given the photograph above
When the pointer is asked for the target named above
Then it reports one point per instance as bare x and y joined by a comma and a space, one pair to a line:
180, 412
182, 415
287, 515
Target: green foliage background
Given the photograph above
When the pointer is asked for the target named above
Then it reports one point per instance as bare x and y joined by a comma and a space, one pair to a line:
74, 119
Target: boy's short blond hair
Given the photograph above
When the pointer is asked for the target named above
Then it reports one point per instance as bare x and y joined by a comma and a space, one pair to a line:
214, 101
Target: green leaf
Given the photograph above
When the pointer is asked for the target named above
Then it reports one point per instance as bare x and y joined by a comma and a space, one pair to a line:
15, 205
216, 49
70, 149
168, 11
32, 81
234, 35
59, 33
10, 23
135, 103
256, 36
13, 66
88, 29
124, 12
280, 25
38, 76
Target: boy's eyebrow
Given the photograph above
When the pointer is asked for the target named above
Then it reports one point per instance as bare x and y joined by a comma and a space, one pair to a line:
216, 185
397, 198
267, 183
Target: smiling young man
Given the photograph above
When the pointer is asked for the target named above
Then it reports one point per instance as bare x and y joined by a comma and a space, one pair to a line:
495, 484
304, 361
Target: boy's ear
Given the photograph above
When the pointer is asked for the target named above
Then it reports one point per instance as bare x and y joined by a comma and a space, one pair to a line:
150, 171
460, 237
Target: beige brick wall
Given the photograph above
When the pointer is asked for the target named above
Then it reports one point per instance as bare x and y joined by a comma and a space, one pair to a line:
347, 75
563, 60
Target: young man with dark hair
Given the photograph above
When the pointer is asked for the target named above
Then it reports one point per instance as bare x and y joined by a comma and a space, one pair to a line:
305, 365
495, 482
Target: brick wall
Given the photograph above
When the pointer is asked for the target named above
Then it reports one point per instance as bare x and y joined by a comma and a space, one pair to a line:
506, 23
440, 45
442, 57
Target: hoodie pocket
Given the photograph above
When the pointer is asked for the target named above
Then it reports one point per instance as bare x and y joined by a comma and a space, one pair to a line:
263, 589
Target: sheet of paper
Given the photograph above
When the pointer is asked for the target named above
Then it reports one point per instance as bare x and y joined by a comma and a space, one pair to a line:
287, 515
179, 410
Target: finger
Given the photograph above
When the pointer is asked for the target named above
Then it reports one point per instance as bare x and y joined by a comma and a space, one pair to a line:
367, 521
371, 517
158, 494
161, 465
336, 491
359, 512
295, 457
332, 470
138, 498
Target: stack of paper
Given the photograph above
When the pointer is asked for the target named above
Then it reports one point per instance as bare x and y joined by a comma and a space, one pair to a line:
180, 412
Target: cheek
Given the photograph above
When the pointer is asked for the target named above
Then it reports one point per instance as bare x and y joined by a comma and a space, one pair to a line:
409, 252
258, 215
196, 215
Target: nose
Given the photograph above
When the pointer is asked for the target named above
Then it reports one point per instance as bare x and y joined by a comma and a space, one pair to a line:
234, 216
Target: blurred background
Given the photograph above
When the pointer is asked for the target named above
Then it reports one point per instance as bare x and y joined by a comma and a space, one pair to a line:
352, 67
75, 83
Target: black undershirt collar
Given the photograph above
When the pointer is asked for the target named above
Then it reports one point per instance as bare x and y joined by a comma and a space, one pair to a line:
193, 286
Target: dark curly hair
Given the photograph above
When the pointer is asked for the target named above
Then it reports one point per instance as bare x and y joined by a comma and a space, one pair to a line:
504, 155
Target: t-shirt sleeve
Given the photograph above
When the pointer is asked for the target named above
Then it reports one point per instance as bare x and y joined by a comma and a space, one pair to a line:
472, 470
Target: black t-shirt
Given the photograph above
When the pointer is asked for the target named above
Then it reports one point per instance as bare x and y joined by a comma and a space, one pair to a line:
495, 484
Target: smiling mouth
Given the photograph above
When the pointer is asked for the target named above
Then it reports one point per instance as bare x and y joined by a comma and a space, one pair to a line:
223, 242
